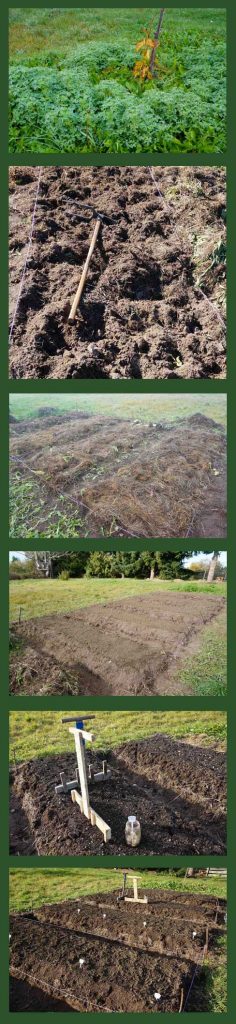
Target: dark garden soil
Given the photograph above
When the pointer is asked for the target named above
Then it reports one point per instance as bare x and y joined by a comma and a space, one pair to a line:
176, 790
133, 646
27, 996
118, 477
102, 954
145, 310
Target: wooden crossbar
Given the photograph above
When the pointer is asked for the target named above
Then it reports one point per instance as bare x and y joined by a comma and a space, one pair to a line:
65, 787
93, 816
135, 898
83, 732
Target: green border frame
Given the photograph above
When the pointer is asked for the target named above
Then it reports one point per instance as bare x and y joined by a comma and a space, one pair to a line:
6, 387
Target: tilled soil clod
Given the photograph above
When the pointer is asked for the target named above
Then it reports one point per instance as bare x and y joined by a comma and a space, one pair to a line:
142, 314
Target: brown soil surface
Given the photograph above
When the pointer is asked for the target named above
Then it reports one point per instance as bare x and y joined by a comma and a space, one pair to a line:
133, 646
119, 477
142, 314
177, 791
124, 960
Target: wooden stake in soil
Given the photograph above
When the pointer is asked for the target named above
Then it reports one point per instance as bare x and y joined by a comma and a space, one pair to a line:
135, 898
93, 816
82, 799
80, 288
79, 746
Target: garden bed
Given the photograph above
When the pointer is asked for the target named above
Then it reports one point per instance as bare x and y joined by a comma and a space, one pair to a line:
133, 646
177, 791
142, 314
91, 475
100, 954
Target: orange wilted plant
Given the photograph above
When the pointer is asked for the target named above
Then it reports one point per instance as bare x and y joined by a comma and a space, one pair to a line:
142, 66
146, 66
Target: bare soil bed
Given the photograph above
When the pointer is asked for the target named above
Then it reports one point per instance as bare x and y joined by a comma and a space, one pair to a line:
133, 646
176, 790
118, 477
142, 313
129, 953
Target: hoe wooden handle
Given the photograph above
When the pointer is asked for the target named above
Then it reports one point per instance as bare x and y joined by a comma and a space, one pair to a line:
78, 294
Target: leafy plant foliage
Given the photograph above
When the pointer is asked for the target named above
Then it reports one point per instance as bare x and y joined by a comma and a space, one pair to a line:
91, 100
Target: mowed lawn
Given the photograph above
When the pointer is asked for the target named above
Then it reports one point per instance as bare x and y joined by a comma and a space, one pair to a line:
41, 733
150, 407
48, 597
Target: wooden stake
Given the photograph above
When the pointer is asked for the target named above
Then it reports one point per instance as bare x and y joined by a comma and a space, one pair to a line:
96, 820
93, 816
135, 898
79, 746
78, 294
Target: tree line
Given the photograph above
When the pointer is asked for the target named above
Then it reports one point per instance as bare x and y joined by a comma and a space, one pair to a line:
119, 564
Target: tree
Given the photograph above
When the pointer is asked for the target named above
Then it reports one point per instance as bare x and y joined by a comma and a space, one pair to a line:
200, 568
170, 564
212, 567
72, 562
99, 564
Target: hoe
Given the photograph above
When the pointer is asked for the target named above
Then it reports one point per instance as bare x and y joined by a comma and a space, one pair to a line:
100, 218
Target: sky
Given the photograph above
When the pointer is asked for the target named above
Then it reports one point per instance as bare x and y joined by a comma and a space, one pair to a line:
202, 555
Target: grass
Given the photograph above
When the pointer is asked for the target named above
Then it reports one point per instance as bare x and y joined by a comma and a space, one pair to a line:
53, 885
166, 408
47, 597
41, 734
206, 671
209, 993
29, 26
25, 500
72, 87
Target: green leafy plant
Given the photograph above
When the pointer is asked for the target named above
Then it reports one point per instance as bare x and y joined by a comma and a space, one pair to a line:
90, 100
